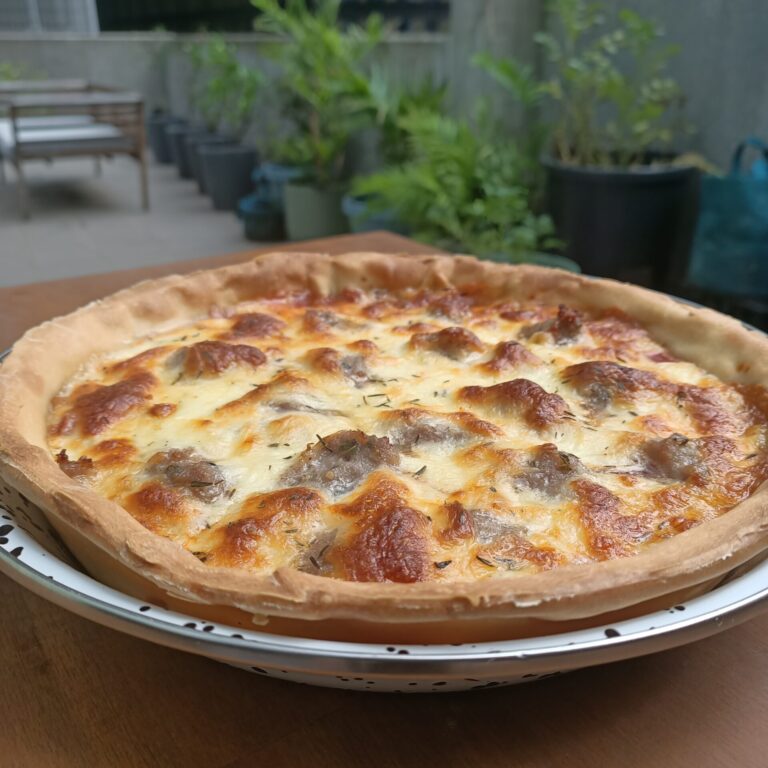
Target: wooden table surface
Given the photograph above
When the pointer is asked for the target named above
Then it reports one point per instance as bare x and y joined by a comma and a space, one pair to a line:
77, 694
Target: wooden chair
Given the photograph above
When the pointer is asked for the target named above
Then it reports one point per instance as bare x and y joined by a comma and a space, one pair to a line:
70, 118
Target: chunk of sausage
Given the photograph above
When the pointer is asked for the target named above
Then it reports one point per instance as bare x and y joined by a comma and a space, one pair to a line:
183, 468
489, 528
314, 558
208, 358
549, 469
601, 381
100, 408
458, 523
82, 467
255, 325
321, 321
611, 532
391, 547
565, 327
339, 462
520, 397
413, 426
452, 305
674, 457
353, 367
508, 355
455, 343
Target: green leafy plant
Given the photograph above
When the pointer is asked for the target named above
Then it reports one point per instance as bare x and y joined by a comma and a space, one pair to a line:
223, 90
391, 103
613, 99
461, 189
323, 79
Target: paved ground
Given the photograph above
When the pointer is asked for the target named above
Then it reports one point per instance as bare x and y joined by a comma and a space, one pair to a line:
82, 224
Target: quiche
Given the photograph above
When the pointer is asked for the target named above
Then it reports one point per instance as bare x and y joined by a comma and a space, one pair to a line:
407, 444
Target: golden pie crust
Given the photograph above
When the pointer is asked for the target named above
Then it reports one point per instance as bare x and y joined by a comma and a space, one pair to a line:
125, 553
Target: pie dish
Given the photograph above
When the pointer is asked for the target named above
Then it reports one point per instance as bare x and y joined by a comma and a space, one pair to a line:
401, 447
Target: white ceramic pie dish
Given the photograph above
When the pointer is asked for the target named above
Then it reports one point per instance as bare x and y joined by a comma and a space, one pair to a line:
31, 554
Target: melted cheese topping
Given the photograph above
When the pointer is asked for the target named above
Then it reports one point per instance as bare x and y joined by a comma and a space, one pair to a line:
409, 438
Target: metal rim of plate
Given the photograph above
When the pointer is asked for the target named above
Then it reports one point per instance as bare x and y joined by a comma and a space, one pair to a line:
733, 602
725, 606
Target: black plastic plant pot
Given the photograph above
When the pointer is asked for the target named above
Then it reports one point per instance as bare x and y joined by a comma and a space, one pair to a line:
193, 151
170, 132
632, 224
262, 219
227, 173
312, 211
177, 135
182, 154
157, 137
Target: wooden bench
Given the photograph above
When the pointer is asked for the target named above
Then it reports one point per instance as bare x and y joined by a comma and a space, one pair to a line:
70, 118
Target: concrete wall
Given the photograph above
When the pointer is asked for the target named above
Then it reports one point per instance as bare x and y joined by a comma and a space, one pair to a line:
155, 64
722, 67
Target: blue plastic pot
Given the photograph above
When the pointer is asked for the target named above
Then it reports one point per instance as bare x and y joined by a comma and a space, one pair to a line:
271, 178
262, 219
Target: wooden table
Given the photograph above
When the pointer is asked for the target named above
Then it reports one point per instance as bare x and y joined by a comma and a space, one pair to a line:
76, 694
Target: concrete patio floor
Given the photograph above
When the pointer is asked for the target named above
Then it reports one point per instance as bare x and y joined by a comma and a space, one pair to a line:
83, 224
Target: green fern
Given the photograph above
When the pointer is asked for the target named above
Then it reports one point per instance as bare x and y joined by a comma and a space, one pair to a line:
613, 100
323, 79
223, 91
461, 189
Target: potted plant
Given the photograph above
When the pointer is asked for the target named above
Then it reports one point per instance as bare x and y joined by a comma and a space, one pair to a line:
465, 189
215, 64
225, 97
325, 86
157, 124
176, 130
390, 105
623, 205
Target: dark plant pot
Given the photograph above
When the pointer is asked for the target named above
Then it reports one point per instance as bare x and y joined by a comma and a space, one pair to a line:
189, 141
158, 138
227, 173
362, 219
634, 225
262, 219
271, 178
312, 211
193, 152
537, 258
171, 131
180, 147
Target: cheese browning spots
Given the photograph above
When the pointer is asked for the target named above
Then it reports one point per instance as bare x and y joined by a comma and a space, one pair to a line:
410, 437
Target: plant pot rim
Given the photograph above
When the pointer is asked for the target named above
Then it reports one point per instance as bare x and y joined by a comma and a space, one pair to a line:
182, 127
655, 170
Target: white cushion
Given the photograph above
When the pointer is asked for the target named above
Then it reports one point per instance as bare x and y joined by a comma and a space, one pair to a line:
55, 135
